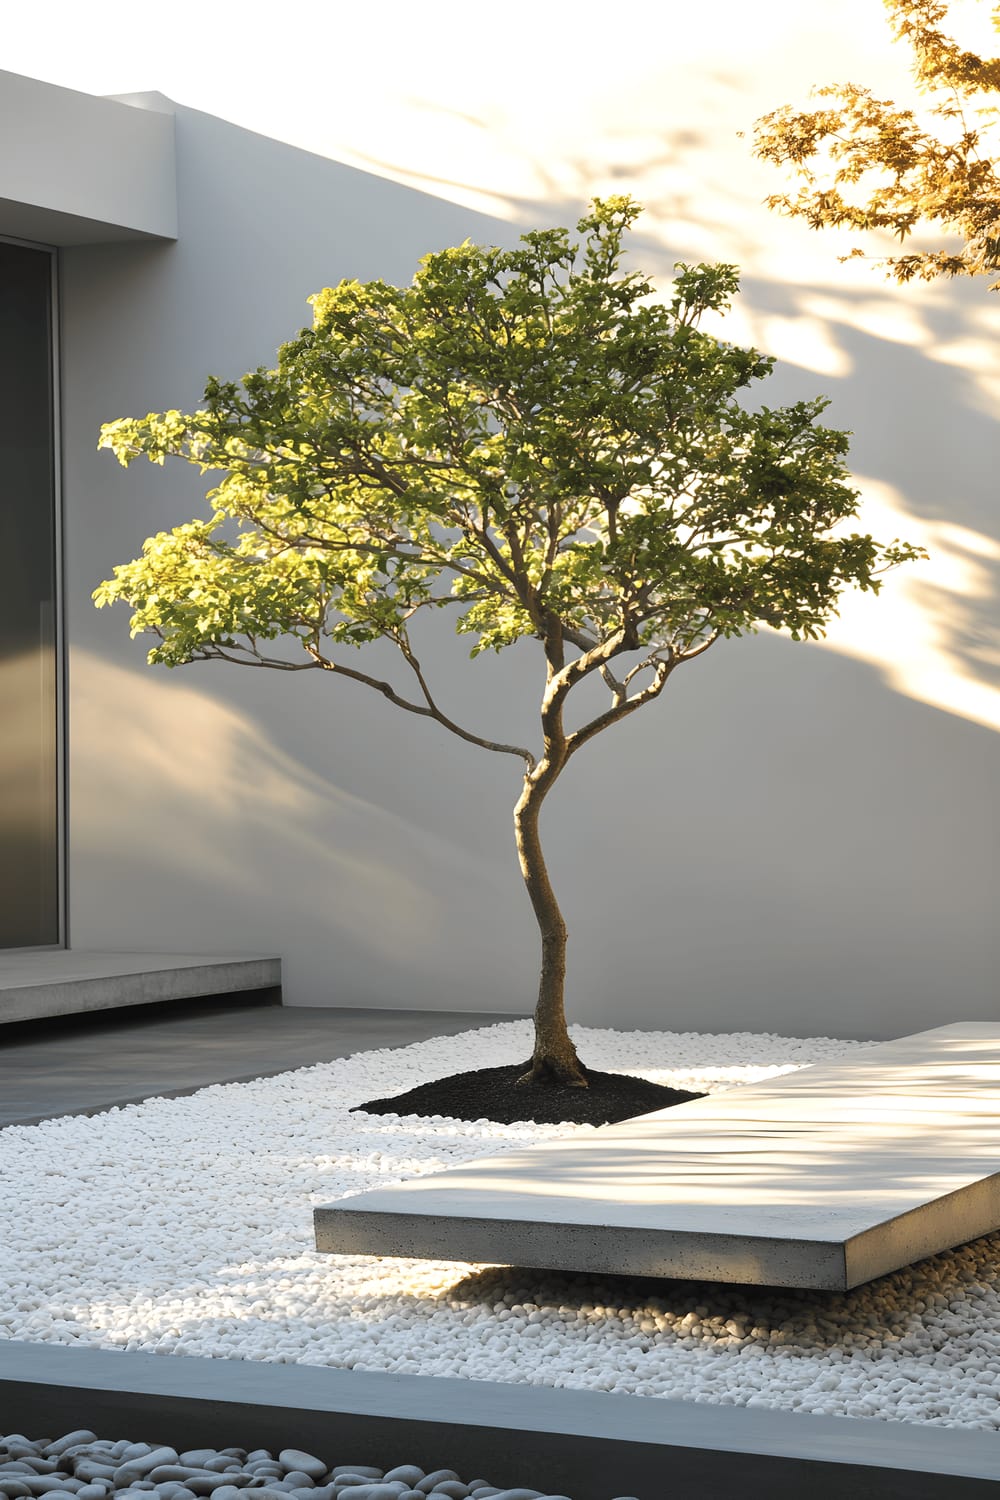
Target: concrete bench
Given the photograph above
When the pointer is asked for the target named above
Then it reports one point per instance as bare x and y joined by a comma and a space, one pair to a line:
69, 981
826, 1177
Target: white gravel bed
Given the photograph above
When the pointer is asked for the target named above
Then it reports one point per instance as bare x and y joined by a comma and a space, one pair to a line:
184, 1226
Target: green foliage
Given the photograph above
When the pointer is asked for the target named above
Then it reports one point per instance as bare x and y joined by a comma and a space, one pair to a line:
869, 164
526, 437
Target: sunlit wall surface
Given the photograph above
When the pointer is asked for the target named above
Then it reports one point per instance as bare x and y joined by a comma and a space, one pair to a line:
797, 837
29, 907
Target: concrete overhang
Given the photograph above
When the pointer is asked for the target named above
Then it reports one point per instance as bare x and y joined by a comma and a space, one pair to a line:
76, 169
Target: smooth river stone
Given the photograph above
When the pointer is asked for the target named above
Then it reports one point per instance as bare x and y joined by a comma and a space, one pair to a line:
521, 1494
374, 1489
362, 1472
198, 1481
123, 1476
180, 1473
71, 1440
155, 1459
434, 1478
294, 1461
89, 1469
408, 1473
196, 1457
207, 1484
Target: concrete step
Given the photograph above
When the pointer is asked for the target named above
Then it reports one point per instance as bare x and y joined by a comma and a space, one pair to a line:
827, 1177
62, 982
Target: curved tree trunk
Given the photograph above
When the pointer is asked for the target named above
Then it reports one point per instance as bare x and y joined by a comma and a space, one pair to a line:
554, 1059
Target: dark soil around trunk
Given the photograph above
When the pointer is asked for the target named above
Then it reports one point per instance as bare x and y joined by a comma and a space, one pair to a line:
490, 1094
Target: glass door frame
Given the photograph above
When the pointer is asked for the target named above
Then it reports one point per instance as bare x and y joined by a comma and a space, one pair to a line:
60, 666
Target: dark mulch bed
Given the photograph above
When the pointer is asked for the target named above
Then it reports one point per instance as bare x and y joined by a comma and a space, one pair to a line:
489, 1094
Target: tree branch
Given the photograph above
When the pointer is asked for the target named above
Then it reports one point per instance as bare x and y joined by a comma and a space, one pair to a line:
618, 692
620, 710
430, 711
690, 655
573, 672
215, 653
579, 638
442, 718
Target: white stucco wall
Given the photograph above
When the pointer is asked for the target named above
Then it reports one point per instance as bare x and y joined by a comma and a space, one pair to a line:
75, 169
797, 837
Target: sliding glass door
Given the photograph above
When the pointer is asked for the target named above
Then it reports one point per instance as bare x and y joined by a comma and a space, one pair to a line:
30, 763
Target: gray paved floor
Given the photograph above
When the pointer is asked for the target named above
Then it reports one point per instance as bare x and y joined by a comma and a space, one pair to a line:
83, 1064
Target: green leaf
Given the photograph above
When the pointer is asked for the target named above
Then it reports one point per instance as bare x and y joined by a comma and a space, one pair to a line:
522, 436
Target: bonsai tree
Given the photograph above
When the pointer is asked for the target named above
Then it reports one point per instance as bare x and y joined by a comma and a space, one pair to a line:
868, 164
526, 439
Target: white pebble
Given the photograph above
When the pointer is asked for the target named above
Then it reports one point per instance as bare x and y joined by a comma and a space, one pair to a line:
239, 1279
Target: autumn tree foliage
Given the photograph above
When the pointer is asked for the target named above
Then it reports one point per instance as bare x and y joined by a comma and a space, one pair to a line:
533, 442
870, 164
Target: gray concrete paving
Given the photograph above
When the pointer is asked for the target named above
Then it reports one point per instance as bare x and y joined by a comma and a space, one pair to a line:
85, 1064
826, 1177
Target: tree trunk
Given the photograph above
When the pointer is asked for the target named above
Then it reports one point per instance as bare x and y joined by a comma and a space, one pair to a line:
554, 1059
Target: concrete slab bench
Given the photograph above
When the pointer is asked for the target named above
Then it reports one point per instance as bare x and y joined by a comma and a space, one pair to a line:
70, 981
826, 1177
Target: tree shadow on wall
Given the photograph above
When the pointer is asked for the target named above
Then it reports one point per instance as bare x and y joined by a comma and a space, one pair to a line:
920, 404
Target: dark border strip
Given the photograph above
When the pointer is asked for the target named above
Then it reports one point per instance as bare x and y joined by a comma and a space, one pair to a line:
579, 1443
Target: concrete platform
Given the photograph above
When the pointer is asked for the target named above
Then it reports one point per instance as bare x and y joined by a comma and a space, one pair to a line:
826, 1177
67, 981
